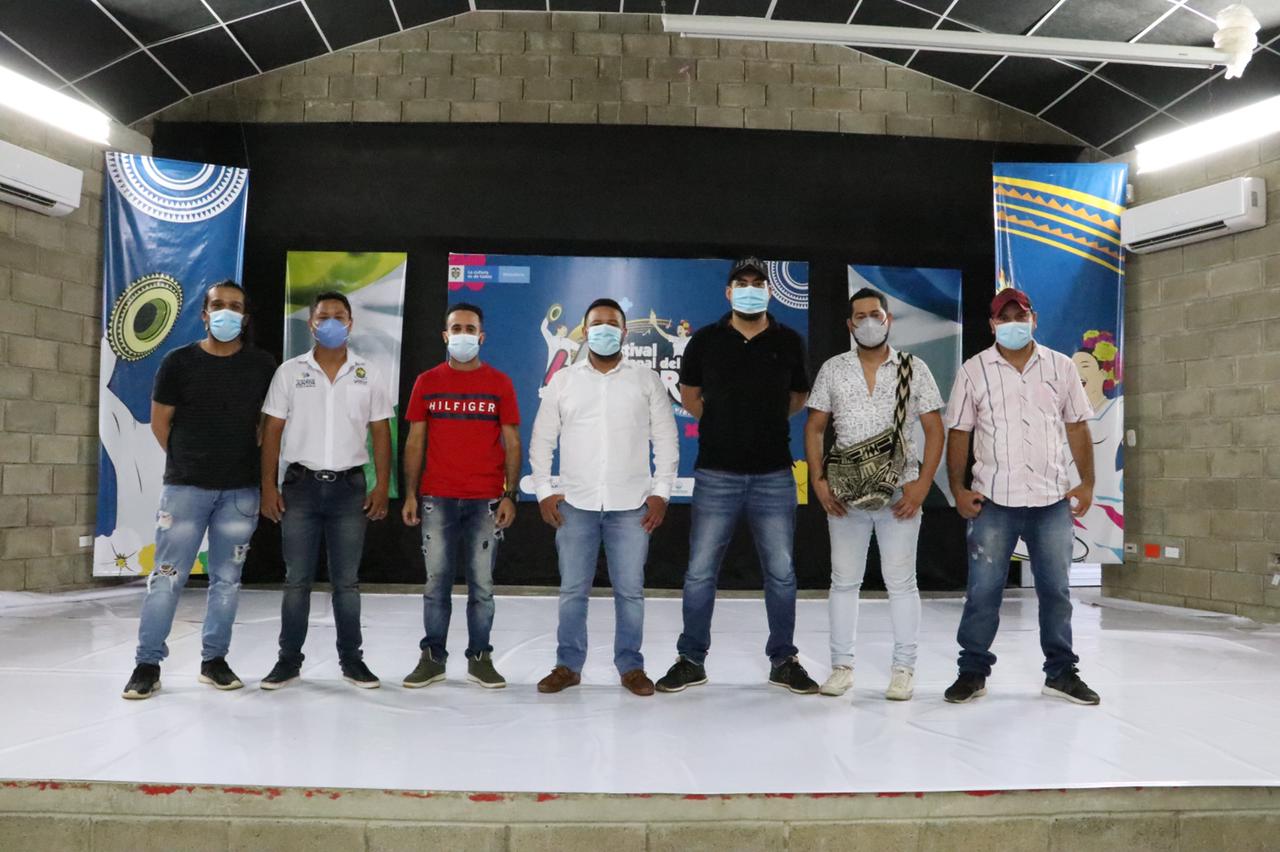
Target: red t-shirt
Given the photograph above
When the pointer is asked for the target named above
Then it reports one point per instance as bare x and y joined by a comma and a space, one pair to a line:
465, 411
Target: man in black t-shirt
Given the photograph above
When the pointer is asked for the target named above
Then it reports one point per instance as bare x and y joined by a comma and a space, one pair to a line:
743, 378
205, 410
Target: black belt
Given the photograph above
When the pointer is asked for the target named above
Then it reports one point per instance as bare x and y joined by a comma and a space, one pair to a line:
324, 475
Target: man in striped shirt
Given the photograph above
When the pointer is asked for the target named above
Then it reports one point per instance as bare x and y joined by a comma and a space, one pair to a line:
1025, 406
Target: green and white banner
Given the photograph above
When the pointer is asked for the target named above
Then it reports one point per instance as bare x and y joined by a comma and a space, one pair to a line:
374, 284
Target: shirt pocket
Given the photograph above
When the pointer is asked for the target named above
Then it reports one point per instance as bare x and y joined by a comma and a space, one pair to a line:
1047, 399
358, 400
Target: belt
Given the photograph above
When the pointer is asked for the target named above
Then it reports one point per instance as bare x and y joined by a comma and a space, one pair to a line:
325, 475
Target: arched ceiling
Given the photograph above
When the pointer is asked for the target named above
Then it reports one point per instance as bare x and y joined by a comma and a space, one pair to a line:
133, 58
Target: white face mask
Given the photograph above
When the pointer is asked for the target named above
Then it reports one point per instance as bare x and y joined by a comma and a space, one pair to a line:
871, 332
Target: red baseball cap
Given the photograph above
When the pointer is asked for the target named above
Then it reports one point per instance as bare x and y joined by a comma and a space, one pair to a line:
1007, 295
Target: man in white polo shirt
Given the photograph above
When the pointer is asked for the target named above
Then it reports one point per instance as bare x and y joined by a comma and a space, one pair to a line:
605, 412
1024, 404
323, 405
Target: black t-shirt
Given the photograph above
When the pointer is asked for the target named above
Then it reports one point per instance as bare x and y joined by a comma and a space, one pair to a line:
217, 400
746, 394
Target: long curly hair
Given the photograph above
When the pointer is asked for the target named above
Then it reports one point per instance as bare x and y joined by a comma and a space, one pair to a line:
1102, 346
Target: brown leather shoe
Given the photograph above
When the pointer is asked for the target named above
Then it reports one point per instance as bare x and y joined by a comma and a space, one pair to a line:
638, 682
561, 677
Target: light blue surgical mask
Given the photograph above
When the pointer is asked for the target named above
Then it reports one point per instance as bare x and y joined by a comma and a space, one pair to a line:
750, 300
1013, 335
464, 347
225, 325
332, 333
604, 340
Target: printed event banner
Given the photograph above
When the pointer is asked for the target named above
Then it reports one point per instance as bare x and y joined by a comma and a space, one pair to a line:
925, 304
534, 309
1058, 238
170, 230
374, 284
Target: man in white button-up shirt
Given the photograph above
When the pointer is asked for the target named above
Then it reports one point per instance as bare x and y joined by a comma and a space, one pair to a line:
320, 409
604, 412
1024, 405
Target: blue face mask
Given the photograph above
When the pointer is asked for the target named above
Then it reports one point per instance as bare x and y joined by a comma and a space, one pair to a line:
332, 333
464, 347
225, 325
1013, 335
604, 340
750, 300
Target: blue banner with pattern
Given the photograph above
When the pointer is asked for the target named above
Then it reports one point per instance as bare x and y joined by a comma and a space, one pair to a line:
170, 230
1058, 239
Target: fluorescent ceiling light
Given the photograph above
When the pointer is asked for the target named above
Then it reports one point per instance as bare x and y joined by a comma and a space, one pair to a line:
1207, 137
40, 102
707, 26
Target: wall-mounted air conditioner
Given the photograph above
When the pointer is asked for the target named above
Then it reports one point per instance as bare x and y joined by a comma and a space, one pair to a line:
33, 181
1235, 205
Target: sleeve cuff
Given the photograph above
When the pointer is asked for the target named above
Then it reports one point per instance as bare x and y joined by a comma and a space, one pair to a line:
271, 411
542, 490
661, 488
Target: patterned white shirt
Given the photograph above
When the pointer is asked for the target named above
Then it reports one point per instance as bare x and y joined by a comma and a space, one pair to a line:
1021, 457
841, 390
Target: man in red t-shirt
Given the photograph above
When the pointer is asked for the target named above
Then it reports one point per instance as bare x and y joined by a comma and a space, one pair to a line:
464, 420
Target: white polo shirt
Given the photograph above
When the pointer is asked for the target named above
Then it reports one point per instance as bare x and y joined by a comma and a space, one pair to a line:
326, 423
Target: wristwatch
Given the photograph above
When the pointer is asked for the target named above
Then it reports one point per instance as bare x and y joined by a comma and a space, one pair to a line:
513, 496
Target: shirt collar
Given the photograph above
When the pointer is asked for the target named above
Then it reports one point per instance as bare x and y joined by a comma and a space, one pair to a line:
352, 361
991, 355
726, 320
585, 364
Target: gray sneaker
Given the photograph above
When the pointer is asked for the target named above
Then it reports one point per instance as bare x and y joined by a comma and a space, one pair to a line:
429, 671
480, 670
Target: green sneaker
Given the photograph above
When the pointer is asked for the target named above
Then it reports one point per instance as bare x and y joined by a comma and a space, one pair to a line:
429, 671
480, 670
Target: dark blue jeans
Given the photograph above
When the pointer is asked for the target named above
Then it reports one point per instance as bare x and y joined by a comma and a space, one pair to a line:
332, 511
720, 499
992, 536
458, 535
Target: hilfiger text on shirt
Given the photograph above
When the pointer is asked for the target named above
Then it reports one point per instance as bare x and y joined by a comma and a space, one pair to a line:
464, 406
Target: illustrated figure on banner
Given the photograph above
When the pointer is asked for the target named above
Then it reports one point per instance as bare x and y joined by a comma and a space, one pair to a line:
1098, 361
561, 345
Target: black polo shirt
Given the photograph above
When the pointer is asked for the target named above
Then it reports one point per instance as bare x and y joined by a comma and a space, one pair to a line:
746, 394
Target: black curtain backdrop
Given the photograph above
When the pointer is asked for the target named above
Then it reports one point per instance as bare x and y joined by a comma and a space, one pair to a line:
428, 189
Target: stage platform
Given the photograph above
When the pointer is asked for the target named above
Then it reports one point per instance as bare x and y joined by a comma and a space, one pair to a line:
1189, 700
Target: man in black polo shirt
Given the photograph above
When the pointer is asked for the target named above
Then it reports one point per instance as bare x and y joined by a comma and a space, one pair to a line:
743, 378
205, 414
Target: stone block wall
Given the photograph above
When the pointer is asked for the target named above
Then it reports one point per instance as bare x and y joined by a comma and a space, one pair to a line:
574, 68
50, 316
1202, 379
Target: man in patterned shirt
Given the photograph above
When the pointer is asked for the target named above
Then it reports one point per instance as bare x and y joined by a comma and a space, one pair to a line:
859, 390
1024, 405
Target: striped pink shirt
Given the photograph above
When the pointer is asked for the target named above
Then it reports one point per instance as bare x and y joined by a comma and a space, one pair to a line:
1021, 457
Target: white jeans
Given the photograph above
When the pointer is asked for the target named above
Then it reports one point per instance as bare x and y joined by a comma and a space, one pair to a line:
850, 540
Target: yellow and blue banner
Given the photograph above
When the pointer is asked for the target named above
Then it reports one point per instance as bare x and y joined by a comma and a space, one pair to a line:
1058, 239
170, 230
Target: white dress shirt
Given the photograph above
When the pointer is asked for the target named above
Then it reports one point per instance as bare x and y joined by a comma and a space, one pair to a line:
1021, 457
326, 423
605, 423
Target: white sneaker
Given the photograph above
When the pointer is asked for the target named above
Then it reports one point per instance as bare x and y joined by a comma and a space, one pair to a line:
840, 682
901, 684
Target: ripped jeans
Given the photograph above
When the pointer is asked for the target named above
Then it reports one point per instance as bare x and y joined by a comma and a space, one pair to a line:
458, 535
186, 513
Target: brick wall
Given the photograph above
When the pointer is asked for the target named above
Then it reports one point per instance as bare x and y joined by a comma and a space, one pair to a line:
50, 304
570, 68
1202, 379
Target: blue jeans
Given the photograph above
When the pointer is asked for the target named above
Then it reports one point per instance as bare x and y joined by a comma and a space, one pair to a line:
720, 498
626, 546
458, 534
333, 510
186, 513
992, 536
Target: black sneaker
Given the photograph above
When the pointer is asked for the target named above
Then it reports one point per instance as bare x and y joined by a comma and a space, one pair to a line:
1070, 687
282, 674
218, 673
967, 687
143, 683
356, 672
791, 675
684, 673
